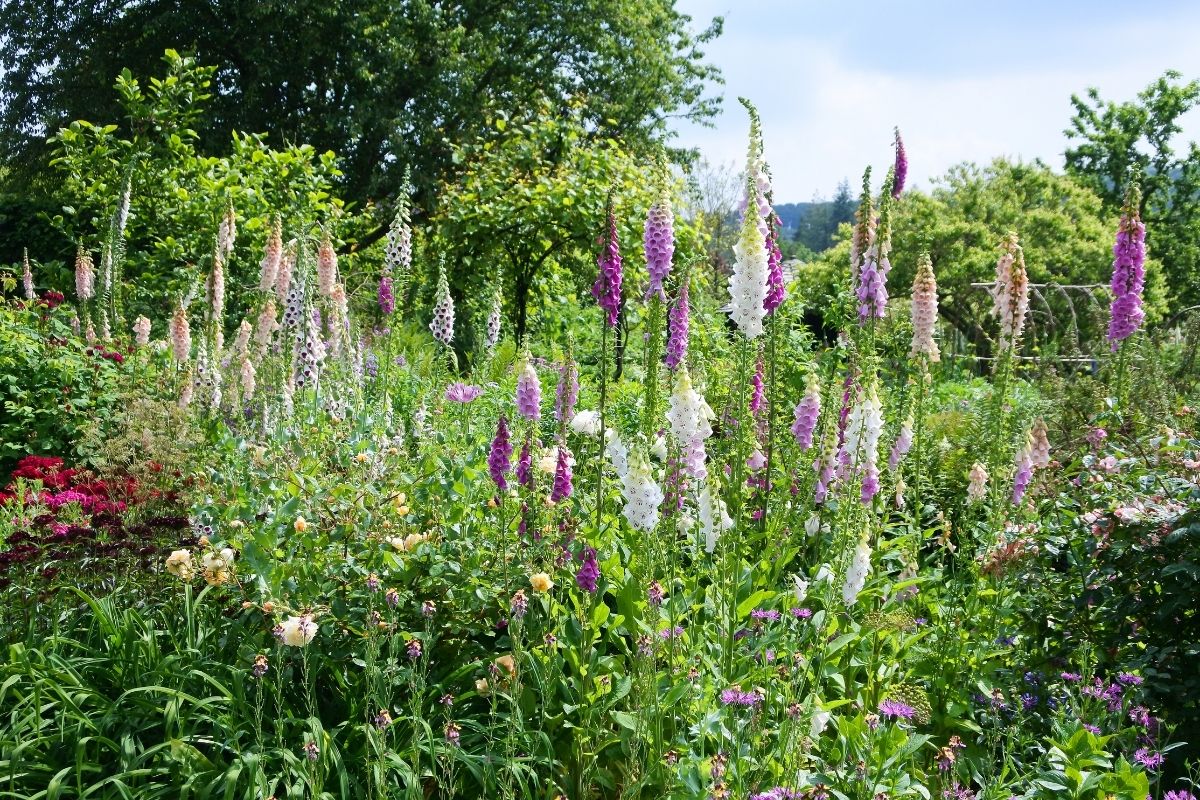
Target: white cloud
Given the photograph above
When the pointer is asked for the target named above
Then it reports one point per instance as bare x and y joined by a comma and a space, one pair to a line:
825, 116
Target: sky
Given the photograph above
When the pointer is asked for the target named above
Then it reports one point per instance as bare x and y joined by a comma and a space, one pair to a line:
964, 81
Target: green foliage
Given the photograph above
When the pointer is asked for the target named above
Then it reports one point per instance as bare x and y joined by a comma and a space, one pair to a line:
177, 195
54, 387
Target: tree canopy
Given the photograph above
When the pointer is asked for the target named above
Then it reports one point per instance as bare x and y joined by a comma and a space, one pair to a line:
1116, 142
385, 84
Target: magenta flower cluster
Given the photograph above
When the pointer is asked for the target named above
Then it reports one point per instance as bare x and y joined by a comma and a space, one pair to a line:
659, 241
1129, 274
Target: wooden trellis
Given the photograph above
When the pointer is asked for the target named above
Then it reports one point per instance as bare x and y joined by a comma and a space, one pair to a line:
1042, 320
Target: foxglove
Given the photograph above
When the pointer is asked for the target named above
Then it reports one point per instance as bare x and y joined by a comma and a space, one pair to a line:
529, 392
1129, 272
1010, 295
924, 310
659, 243
442, 325
677, 328
607, 288
806, 413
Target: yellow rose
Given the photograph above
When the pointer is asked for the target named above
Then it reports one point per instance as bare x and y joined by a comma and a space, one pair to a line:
507, 664
300, 525
541, 582
361, 458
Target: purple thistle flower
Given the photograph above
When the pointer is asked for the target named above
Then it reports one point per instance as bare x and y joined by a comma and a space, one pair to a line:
775, 289
677, 327
589, 572
529, 392
562, 476
896, 709
659, 241
387, 297
525, 464
1129, 271
500, 457
901, 170
1150, 759
1179, 794
459, 392
607, 288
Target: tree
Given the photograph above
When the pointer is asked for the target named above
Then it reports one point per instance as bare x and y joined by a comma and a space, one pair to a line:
1116, 141
176, 195
384, 84
527, 210
819, 224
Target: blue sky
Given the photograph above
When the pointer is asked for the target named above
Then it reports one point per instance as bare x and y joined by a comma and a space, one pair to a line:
964, 81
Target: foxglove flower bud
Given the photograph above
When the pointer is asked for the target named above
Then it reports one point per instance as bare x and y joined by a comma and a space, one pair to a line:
1010, 295
924, 310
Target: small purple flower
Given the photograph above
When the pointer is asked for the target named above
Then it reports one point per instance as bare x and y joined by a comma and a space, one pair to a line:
655, 594
1179, 794
801, 613
413, 649
766, 613
895, 709
1150, 759
1071, 677
1029, 701
459, 392
310, 751
589, 572
1092, 729
1129, 679
736, 697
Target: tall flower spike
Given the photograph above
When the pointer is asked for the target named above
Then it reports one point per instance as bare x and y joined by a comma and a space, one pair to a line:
776, 293
566, 393
85, 275
1010, 296
442, 324
607, 288
871, 289
492, 334
924, 310
748, 282
864, 227
326, 266
901, 168
181, 336
226, 233
1039, 443
283, 281
659, 242
397, 255
525, 463
268, 268
26, 275
1129, 271
561, 488
141, 331
1024, 471
500, 456
807, 411
677, 327
642, 495
387, 297
529, 391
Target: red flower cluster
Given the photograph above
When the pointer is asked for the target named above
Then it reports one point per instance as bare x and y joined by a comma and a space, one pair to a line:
50, 538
